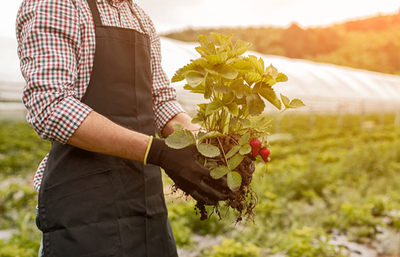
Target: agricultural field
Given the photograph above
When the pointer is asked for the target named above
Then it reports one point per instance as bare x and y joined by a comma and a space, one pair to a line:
323, 181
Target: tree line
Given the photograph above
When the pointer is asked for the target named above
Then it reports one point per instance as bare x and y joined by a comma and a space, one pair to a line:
371, 44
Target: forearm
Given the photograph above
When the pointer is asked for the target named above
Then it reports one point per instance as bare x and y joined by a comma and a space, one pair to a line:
181, 118
99, 134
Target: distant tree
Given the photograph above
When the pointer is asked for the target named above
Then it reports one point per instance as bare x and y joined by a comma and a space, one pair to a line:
378, 23
372, 43
299, 43
393, 56
295, 41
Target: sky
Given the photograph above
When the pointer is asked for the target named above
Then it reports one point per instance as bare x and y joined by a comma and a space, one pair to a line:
175, 15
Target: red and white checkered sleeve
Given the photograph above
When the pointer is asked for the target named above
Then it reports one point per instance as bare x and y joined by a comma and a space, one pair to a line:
37, 180
166, 105
49, 39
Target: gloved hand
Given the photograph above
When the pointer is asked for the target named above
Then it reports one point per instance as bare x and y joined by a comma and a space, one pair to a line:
182, 166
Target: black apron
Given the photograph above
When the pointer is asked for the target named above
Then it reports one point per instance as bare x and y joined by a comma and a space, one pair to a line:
96, 205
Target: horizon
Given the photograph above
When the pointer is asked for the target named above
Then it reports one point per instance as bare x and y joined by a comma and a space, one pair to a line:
186, 14
261, 26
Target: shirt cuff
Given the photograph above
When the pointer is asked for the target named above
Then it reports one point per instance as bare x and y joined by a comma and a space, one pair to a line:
165, 112
66, 119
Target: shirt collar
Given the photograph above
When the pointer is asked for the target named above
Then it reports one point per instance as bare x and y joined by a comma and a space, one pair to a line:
118, 2
114, 3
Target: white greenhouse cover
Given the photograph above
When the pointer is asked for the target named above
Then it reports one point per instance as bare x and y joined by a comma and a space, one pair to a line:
323, 87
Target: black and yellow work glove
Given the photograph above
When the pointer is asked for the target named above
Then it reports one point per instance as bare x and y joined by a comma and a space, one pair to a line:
182, 166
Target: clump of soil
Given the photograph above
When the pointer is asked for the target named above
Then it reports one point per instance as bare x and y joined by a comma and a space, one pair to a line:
243, 199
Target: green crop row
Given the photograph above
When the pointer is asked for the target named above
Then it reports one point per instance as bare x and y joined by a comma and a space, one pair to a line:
320, 183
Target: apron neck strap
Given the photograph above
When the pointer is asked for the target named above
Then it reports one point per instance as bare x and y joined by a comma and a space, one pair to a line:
95, 12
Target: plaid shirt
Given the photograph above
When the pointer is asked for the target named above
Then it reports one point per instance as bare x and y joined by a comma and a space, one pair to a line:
56, 45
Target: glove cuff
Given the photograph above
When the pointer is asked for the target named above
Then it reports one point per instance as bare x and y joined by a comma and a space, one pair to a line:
148, 150
155, 154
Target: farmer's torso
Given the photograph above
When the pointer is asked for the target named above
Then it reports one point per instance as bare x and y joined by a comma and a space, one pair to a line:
97, 205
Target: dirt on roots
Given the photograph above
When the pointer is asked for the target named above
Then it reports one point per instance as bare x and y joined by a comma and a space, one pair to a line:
243, 199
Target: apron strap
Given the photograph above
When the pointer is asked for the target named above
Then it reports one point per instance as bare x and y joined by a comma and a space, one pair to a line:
95, 12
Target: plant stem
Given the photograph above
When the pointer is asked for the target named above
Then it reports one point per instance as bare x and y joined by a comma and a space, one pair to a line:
223, 152
275, 116
234, 140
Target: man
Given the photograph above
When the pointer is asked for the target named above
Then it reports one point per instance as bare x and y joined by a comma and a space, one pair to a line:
96, 89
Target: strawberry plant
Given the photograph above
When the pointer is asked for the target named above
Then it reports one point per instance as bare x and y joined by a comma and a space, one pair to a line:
236, 88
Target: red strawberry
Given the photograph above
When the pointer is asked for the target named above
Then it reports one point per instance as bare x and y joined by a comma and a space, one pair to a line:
265, 152
255, 146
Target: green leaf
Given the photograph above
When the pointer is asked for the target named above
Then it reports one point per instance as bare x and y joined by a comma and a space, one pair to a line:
226, 71
209, 47
208, 150
181, 73
194, 78
202, 51
244, 139
202, 107
271, 71
281, 78
212, 134
198, 119
270, 96
211, 165
285, 101
201, 134
208, 90
207, 94
237, 84
188, 87
253, 77
233, 151
178, 126
216, 59
233, 108
228, 97
234, 180
270, 81
257, 63
201, 64
240, 64
214, 107
246, 149
297, 103
256, 88
233, 123
240, 88
241, 47
219, 172
221, 39
199, 89
235, 161
255, 104
222, 89
180, 139
245, 122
